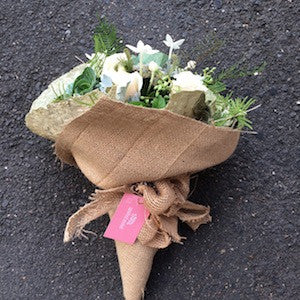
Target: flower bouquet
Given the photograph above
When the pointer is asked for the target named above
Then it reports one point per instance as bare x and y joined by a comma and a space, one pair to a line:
137, 124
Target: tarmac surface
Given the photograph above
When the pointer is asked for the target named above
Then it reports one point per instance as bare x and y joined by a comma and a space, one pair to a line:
251, 248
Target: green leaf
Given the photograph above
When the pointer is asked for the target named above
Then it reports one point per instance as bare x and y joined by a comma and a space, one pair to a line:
232, 112
217, 87
159, 102
137, 103
135, 59
85, 82
159, 58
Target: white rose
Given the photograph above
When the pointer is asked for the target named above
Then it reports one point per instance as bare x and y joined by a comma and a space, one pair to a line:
187, 81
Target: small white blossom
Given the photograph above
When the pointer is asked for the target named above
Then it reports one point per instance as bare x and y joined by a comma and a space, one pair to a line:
153, 66
89, 56
173, 45
191, 65
142, 48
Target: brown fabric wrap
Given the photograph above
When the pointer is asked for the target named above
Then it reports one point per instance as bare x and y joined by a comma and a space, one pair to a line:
121, 148
166, 201
117, 144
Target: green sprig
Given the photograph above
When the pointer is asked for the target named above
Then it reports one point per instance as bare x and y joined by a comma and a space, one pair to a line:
231, 112
106, 39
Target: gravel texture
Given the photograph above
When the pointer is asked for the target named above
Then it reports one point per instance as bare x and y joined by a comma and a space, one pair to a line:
250, 249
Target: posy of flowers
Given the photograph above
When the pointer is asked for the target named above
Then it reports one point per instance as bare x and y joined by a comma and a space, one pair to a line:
137, 123
143, 76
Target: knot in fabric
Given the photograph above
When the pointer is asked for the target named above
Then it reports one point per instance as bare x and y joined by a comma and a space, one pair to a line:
166, 201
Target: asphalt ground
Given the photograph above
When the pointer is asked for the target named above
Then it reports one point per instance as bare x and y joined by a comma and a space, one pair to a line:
249, 251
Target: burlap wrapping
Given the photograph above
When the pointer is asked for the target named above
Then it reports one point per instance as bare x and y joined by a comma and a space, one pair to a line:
166, 200
120, 147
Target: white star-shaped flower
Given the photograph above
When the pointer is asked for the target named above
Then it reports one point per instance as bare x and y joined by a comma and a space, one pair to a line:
142, 48
175, 45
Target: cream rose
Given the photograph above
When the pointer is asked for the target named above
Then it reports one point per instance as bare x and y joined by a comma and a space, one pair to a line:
187, 81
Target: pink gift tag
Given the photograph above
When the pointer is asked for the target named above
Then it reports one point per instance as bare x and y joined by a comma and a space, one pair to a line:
128, 219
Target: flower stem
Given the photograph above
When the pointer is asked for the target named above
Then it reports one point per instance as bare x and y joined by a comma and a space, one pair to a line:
170, 53
151, 81
141, 64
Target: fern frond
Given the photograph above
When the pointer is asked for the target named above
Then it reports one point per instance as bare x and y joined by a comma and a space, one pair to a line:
106, 39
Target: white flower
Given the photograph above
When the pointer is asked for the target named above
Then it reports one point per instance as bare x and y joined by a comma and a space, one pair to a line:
142, 48
191, 65
112, 63
135, 85
128, 84
89, 56
153, 66
187, 81
172, 44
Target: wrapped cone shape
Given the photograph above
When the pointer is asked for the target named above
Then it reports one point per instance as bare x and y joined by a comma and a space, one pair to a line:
135, 263
117, 145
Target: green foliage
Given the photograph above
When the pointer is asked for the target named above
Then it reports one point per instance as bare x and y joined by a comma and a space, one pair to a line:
158, 95
106, 39
159, 102
225, 110
163, 86
159, 58
138, 103
85, 82
216, 84
231, 112
63, 94
175, 63
97, 63
235, 71
213, 84
128, 62
217, 87
162, 91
